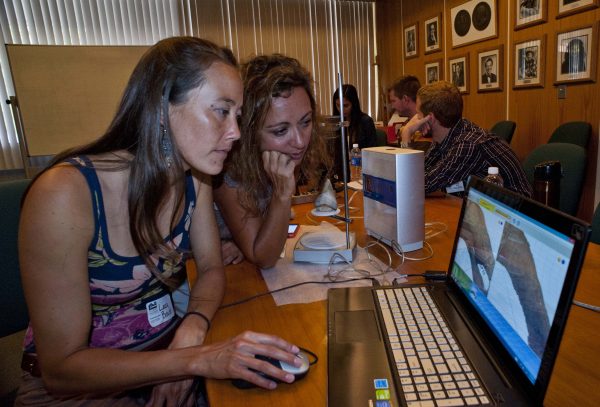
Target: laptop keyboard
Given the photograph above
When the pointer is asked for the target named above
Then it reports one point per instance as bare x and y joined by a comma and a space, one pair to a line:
432, 368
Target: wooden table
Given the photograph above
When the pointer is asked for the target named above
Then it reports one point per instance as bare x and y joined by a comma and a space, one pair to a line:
576, 377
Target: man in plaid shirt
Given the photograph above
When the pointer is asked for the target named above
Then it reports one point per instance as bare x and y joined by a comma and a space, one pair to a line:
460, 148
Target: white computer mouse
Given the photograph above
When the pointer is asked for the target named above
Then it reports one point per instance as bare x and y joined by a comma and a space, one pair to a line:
298, 371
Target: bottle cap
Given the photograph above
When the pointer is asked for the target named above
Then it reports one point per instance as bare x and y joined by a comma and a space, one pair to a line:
355, 145
493, 170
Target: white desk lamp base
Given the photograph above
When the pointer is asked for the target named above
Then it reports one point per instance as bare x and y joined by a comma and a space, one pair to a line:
322, 251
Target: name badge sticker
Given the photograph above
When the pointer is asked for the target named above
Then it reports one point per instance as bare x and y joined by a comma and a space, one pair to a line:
160, 310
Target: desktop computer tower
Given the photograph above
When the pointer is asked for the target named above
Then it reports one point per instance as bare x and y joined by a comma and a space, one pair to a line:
394, 195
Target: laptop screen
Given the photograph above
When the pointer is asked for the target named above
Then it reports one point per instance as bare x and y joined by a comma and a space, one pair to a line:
511, 268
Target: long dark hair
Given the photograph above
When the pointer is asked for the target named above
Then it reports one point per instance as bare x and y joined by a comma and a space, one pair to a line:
164, 75
351, 95
266, 77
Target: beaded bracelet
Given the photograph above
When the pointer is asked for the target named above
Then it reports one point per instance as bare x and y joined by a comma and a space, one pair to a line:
201, 315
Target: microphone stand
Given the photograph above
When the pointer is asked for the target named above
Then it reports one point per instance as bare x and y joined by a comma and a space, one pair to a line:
343, 125
325, 256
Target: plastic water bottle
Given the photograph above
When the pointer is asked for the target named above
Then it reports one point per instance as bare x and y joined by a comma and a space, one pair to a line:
494, 176
355, 163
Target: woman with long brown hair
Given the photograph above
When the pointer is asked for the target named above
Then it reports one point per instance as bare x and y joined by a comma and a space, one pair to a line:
106, 229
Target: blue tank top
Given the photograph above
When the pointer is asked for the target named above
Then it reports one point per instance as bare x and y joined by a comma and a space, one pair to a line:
131, 308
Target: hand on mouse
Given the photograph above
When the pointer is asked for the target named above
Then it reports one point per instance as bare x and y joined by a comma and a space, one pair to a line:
235, 359
298, 371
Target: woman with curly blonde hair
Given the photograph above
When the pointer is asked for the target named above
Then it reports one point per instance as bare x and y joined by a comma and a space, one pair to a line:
279, 147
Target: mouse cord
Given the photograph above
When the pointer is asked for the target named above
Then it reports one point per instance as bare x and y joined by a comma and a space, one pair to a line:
335, 273
431, 229
398, 250
311, 354
253, 297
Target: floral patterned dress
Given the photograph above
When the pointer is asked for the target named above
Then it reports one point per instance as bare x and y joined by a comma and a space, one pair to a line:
131, 308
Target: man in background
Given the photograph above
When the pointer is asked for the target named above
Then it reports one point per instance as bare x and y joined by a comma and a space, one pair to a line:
459, 148
403, 98
402, 95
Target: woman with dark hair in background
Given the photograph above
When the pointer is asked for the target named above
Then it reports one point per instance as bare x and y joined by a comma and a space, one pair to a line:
104, 234
279, 148
362, 128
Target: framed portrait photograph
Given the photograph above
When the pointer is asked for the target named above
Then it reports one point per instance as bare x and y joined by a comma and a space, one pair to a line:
411, 47
489, 77
576, 55
458, 70
433, 33
568, 7
434, 71
473, 21
530, 12
529, 63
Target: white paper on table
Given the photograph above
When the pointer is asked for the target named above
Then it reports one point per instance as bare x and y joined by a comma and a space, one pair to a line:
286, 272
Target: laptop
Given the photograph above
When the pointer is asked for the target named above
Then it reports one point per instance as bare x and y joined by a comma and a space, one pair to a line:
487, 335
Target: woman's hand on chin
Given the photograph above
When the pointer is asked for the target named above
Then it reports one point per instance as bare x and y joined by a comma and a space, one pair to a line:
280, 169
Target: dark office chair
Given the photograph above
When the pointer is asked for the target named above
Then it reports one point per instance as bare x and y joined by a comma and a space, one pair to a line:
504, 129
572, 132
14, 317
572, 159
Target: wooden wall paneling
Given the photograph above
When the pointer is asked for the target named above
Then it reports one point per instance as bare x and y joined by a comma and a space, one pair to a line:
537, 111
529, 107
391, 21
419, 11
483, 108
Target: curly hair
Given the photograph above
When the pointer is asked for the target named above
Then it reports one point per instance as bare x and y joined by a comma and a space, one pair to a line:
267, 77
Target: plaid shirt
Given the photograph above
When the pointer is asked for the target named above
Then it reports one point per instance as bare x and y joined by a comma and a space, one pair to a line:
470, 150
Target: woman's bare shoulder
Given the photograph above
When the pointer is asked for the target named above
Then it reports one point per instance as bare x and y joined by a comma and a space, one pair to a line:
62, 187
60, 178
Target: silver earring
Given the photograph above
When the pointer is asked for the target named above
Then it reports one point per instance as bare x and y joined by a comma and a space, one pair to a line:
167, 147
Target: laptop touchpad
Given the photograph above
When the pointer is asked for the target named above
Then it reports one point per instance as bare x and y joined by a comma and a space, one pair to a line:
356, 326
